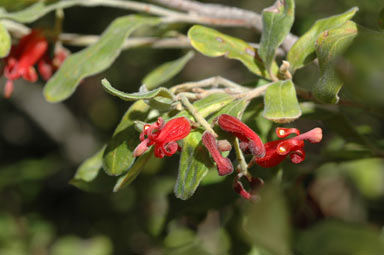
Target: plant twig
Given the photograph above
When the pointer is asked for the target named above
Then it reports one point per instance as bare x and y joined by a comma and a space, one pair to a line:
243, 166
196, 115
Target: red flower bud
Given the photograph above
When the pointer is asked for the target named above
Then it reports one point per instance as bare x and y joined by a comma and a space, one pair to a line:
224, 165
250, 141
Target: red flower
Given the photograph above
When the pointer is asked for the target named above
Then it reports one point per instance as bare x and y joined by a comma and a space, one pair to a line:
32, 49
224, 165
249, 140
163, 136
277, 151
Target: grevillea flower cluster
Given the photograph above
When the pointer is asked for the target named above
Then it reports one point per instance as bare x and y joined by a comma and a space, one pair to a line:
164, 136
31, 50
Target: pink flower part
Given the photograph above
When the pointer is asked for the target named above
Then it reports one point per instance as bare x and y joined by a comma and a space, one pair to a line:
254, 183
163, 137
224, 165
277, 151
250, 141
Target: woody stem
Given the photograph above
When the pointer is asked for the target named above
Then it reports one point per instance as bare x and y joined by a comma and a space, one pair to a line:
196, 114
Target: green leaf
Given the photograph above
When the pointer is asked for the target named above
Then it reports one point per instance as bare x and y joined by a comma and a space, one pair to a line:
302, 51
330, 45
280, 102
212, 43
277, 22
195, 161
381, 19
166, 71
89, 169
118, 156
95, 58
5, 42
194, 165
332, 237
163, 92
133, 171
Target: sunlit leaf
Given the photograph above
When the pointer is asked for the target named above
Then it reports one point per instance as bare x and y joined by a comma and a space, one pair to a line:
302, 51
166, 71
332, 237
94, 58
280, 102
163, 92
212, 43
330, 45
277, 22
118, 157
5, 41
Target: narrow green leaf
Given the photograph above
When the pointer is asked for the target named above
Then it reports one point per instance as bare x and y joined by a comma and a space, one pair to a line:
93, 59
89, 169
195, 161
302, 51
37, 10
212, 43
280, 102
277, 22
5, 42
133, 171
166, 71
330, 45
163, 92
194, 165
118, 156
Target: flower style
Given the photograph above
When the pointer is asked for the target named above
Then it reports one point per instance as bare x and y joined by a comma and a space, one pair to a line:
249, 140
277, 151
163, 136
224, 165
32, 49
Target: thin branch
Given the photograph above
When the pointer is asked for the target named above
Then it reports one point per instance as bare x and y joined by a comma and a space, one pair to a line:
242, 17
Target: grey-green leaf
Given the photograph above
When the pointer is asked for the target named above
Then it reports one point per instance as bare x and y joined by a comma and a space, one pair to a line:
133, 171
94, 58
330, 45
212, 43
166, 71
277, 22
89, 169
162, 92
280, 102
302, 51
118, 157
5, 41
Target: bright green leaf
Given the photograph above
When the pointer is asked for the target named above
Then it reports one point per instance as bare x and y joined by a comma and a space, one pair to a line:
89, 169
277, 22
163, 92
133, 171
166, 71
93, 59
118, 157
5, 41
212, 43
280, 102
330, 45
332, 237
302, 51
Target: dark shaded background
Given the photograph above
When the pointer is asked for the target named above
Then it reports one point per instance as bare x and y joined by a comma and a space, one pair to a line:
41, 145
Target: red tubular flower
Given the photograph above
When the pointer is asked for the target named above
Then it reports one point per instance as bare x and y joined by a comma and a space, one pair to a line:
277, 151
224, 165
254, 183
163, 136
249, 140
32, 49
